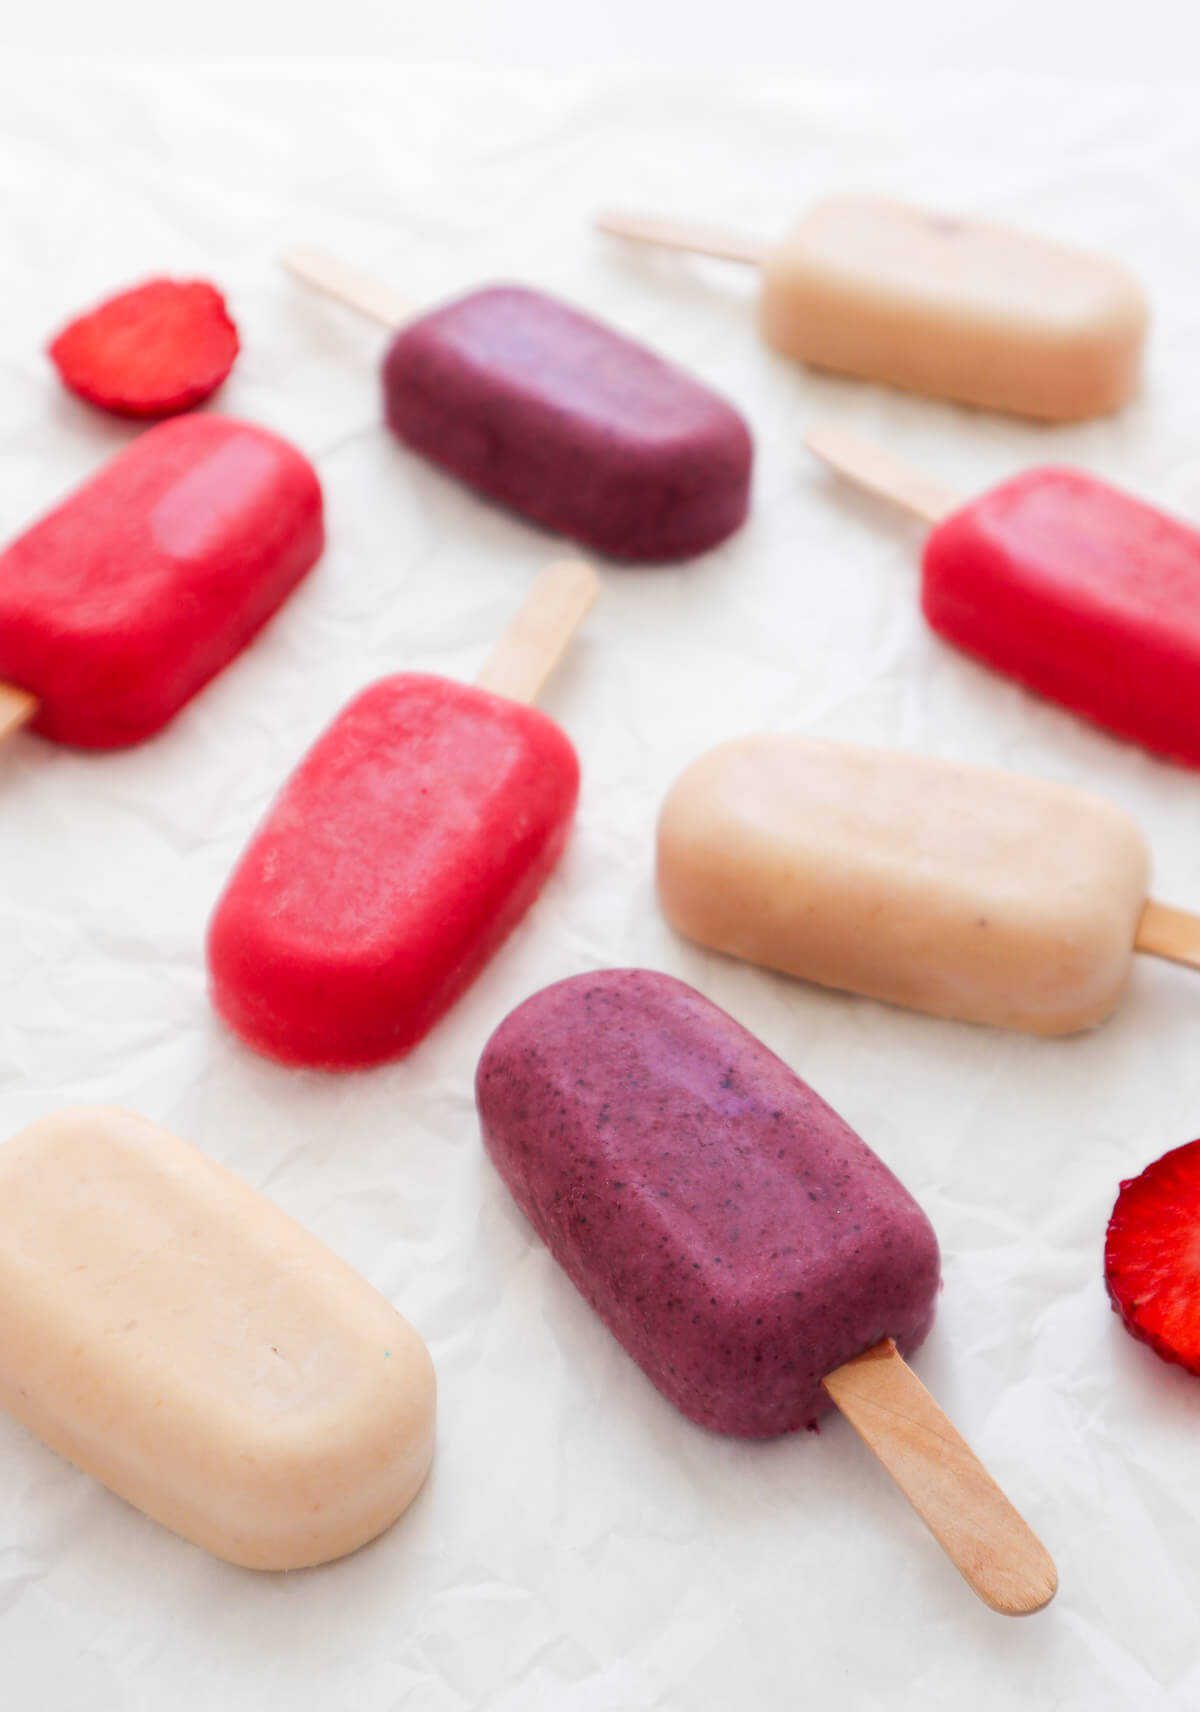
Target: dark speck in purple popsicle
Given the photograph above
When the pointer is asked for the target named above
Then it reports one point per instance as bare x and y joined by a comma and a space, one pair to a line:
732, 1232
570, 423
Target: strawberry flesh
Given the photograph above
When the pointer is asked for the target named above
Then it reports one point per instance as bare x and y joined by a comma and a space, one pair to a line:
151, 351
1152, 1256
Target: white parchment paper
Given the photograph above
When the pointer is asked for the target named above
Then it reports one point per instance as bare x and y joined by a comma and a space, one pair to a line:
580, 1546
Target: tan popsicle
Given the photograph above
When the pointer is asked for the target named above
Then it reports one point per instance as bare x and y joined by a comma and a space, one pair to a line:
174, 1334
951, 306
952, 889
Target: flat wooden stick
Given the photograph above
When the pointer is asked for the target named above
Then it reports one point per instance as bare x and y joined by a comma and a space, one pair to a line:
17, 708
996, 1552
878, 472
362, 291
1170, 933
693, 235
538, 636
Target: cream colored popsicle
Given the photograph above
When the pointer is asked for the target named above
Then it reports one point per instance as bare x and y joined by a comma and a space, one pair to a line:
948, 305
174, 1334
946, 888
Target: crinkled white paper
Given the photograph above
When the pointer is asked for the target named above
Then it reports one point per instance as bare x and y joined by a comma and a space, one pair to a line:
580, 1547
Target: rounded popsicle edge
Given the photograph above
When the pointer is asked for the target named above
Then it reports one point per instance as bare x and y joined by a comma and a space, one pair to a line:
987, 1540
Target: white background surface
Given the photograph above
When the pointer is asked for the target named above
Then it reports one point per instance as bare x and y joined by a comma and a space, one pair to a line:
580, 1547
1157, 39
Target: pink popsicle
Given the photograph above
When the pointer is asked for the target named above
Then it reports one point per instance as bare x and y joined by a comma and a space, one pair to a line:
398, 857
142, 585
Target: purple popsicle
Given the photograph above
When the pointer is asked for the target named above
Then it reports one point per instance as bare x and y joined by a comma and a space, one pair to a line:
575, 426
739, 1240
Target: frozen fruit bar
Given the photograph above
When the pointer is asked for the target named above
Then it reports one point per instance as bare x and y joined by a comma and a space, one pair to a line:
1082, 592
952, 889
566, 421
1078, 590
955, 307
175, 1335
126, 599
402, 852
738, 1239
948, 305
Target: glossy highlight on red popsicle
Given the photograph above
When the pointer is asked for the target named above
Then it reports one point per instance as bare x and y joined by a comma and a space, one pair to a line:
578, 428
124, 601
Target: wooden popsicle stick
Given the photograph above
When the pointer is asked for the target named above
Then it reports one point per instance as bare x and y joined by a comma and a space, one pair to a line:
993, 1549
878, 472
693, 235
362, 291
1170, 933
538, 636
17, 708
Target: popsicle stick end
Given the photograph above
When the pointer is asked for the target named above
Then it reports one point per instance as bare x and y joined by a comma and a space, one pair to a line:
1170, 933
876, 471
990, 1544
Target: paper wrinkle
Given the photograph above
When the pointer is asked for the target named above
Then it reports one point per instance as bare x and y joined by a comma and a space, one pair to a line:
580, 1546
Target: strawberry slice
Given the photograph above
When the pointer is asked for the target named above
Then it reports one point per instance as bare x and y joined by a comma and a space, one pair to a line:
151, 351
1152, 1256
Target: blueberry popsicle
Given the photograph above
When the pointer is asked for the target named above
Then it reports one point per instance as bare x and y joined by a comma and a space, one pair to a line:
401, 853
745, 1247
1079, 591
126, 599
951, 306
956, 890
175, 1335
551, 413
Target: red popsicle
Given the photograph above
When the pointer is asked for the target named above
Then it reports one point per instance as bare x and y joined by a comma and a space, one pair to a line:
401, 853
548, 411
122, 603
1080, 591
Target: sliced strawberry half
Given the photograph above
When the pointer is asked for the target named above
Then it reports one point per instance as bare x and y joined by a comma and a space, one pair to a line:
1152, 1256
151, 351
